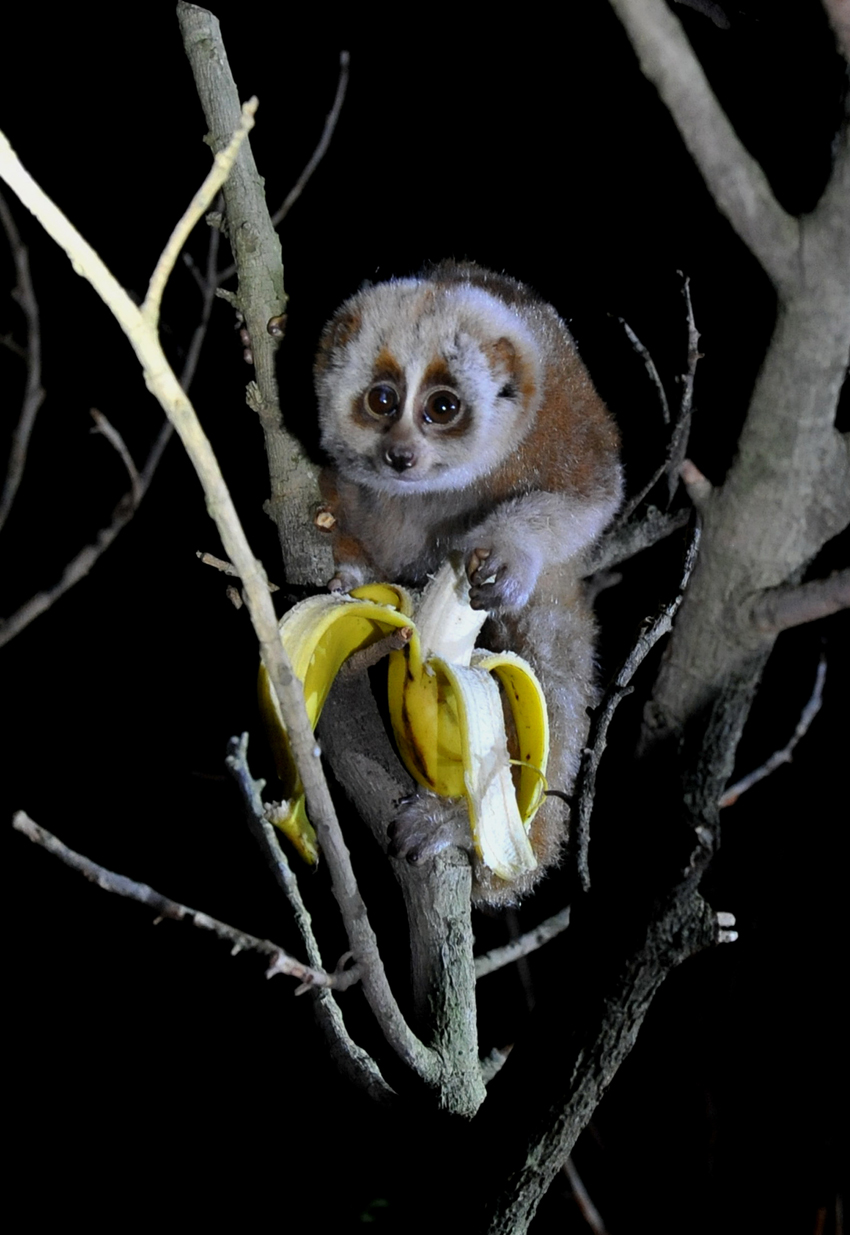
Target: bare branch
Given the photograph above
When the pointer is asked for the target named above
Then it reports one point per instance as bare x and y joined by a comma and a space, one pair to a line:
649, 364
736, 181
682, 429
627, 540
75, 570
350, 1058
208, 285
164, 907
324, 141
107, 430
678, 443
24, 293
650, 633
589, 1212
163, 382
497, 958
226, 568
779, 757
222, 163
780, 608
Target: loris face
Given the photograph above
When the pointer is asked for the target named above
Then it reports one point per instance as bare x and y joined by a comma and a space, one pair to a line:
425, 387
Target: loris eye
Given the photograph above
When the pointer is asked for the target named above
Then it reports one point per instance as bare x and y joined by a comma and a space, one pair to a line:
442, 407
382, 400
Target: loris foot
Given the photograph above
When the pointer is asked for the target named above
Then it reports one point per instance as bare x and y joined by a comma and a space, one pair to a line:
427, 823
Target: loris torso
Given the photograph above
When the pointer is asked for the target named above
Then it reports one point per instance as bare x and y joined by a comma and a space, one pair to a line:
458, 415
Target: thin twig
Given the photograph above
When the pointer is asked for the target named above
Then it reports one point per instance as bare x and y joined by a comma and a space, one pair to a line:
164, 907
651, 632
497, 958
589, 1212
779, 757
324, 141
313, 162
208, 287
678, 447
218, 173
24, 293
350, 1058
678, 443
107, 430
649, 364
626, 540
266, 837
226, 568
82, 563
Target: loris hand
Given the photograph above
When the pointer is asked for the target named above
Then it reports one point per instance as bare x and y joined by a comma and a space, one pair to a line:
501, 576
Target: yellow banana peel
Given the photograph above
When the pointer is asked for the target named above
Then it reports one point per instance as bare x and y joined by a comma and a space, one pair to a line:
444, 704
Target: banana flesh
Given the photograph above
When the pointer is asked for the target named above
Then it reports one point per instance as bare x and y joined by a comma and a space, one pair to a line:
444, 704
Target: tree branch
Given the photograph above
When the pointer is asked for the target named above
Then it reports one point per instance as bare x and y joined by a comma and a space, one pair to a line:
783, 607
260, 297
164, 907
24, 293
736, 181
497, 958
162, 382
779, 757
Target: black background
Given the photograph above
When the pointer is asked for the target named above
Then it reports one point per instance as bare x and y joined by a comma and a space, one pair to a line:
154, 1077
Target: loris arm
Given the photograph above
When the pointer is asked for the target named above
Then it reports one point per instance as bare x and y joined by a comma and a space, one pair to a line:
524, 535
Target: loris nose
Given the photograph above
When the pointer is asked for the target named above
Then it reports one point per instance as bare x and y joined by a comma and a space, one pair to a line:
400, 457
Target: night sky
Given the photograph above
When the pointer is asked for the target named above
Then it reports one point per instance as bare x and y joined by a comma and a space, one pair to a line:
150, 1069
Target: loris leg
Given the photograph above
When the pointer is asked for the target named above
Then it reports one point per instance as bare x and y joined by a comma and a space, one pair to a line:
427, 823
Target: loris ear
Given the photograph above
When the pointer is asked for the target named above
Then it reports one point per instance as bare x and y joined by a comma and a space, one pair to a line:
514, 372
337, 333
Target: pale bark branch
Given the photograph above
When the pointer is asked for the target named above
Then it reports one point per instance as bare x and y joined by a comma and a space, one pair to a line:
736, 181
223, 161
163, 383
783, 607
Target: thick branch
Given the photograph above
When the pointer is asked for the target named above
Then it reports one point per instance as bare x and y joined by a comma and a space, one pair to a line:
788, 491
260, 297
784, 607
736, 181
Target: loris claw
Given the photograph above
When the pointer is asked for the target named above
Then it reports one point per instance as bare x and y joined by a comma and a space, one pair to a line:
457, 415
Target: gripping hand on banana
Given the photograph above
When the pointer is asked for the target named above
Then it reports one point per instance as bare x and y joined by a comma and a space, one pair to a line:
444, 704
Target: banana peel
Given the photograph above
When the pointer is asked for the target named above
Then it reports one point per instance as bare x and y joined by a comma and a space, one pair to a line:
444, 704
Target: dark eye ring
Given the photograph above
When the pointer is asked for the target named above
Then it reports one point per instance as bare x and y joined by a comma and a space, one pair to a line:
442, 407
382, 400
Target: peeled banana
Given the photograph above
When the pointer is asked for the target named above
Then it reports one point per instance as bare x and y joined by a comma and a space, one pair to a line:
444, 704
